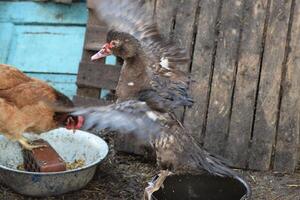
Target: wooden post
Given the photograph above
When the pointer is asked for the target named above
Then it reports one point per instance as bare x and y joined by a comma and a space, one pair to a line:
223, 77
95, 34
203, 55
267, 103
286, 152
246, 83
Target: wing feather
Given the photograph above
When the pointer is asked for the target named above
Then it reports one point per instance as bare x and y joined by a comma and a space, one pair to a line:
126, 117
136, 18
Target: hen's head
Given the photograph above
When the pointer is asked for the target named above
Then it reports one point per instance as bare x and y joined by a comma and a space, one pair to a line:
74, 122
119, 44
69, 121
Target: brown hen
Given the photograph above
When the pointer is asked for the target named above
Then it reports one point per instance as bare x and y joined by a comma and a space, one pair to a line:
26, 105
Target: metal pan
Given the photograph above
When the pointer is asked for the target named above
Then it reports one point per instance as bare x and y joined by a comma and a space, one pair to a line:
70, 146
201, 187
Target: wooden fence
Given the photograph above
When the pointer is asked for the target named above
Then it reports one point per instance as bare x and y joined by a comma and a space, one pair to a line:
246, 63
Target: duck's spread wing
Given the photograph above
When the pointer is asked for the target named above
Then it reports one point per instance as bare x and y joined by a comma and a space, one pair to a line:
136, 18
167, 94
126, 117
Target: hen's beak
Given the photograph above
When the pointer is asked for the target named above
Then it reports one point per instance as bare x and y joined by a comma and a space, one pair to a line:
105, 51
74, 123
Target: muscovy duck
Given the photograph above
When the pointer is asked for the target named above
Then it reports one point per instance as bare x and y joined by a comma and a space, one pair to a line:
151, 74
150, 71
176, 150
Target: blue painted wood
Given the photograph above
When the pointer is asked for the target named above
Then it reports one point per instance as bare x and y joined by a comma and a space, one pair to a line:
34, 12
62, 82
42, 39
5, 40
54, 49
109, 60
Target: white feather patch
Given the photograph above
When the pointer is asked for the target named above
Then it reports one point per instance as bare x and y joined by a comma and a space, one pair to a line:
168, 74
130, 83
164, 62
152, 115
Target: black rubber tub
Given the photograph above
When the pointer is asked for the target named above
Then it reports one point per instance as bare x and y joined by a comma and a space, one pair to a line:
202, 187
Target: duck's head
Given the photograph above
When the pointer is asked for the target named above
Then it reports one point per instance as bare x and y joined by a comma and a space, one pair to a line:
119, 44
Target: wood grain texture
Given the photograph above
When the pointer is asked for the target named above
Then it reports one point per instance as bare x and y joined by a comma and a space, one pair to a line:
223, 77
64, 83
267, 102
6, 36
44, 40
63, 1
94, 33
246, 82
286, 152
95, 37
98, 76
184, 26
32, 12
86, 101
201, 71
88, 92
44, 48
165, 11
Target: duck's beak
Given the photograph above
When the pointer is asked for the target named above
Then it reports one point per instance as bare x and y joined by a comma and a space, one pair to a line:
105, 51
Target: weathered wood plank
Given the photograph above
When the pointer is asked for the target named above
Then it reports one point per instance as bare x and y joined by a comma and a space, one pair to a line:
95, 37
165, 16
86, 101
57, 1
30, 12
185, 24
202, 66
88, 92
6, 35
267, 102
286, 152
246, 82
63, 1
55, 49
223, 77
98, 76
64, 83
92, 43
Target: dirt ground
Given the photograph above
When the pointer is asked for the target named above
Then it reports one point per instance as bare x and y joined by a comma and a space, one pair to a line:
123, 176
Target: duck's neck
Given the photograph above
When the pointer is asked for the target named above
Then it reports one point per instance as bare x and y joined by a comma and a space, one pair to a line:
133, 77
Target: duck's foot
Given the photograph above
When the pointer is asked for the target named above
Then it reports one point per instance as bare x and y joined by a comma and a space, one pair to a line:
26, 144
156, 184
